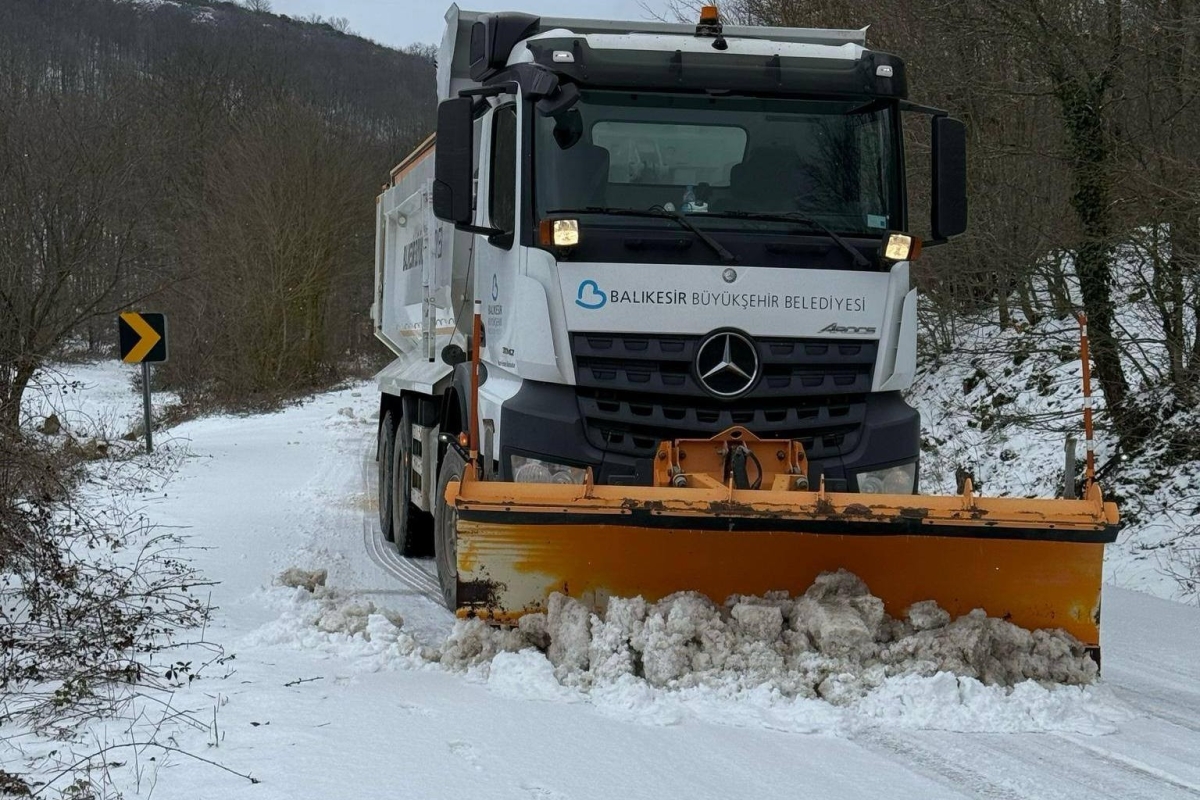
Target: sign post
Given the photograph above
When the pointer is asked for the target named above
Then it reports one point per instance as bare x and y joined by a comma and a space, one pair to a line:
146, 406
143, 340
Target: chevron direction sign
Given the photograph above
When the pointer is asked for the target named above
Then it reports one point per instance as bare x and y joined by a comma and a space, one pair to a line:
143, 337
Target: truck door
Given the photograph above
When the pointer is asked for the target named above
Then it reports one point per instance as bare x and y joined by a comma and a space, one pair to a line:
497, 256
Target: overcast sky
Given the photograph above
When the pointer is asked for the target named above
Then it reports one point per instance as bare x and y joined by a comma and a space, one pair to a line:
402, 22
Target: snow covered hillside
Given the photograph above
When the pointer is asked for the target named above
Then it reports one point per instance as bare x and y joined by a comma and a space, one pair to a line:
360, 684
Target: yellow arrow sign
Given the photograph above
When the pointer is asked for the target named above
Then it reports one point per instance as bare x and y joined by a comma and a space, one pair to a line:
149, 336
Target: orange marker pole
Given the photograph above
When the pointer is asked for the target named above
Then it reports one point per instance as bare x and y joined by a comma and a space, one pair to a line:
1090, 474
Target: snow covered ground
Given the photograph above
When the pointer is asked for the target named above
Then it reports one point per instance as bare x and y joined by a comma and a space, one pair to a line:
324, 695
90, 398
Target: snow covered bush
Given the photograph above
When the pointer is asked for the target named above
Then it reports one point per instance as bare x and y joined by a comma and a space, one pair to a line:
91, 595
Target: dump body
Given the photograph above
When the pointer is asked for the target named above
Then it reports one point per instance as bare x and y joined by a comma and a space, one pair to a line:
421, 269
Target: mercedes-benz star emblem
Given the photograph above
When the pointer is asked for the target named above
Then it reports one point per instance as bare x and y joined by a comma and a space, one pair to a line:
727, 364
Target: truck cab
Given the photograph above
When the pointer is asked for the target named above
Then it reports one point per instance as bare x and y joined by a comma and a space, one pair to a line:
669, 230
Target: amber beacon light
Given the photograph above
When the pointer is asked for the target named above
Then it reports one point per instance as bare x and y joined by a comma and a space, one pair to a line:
710, 26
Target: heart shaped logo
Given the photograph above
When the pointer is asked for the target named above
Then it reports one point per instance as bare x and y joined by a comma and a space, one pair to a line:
590, 296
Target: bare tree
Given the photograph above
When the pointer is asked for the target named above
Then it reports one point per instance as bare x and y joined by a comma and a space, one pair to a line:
428, 52
1159, 129
115, 119
278, 232
70, 207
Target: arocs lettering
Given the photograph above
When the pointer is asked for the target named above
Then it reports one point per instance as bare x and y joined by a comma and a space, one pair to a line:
835, 328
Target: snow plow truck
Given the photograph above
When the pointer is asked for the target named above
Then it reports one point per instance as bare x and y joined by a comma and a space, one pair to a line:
648, 288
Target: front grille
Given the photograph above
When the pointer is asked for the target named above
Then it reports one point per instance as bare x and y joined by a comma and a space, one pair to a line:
663, 365
636, 390
634, 424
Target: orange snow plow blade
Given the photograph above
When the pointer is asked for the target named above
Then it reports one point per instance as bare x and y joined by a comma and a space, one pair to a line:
1037, 563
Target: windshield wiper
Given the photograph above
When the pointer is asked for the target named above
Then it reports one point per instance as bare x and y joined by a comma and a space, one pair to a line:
791, 216
657, 212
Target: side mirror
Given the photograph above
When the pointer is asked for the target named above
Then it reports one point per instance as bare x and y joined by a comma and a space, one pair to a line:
949, 177
452, 163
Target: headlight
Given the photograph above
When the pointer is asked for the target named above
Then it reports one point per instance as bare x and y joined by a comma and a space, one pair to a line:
558, 232
535, 470
893, 480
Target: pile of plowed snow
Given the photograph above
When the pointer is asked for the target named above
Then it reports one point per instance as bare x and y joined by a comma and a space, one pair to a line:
317, 617
827, 659
835, 642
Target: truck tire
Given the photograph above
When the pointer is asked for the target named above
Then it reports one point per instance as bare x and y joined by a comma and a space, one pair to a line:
445, 525
385, 457
412, 528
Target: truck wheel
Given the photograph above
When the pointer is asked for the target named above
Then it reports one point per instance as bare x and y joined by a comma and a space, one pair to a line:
412, 527
445, 528
387, 444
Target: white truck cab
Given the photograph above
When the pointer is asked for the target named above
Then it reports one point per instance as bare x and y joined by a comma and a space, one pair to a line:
669, 230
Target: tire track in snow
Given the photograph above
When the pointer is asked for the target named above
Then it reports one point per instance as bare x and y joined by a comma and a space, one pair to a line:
1070, 765
1130, 764
1158, 707
911, 754
1158, 691
406, 570
1016, 767
402, 569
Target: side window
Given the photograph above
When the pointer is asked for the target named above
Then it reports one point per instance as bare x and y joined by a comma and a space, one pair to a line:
502, 195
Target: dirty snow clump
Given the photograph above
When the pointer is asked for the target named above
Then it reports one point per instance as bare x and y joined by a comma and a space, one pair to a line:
835, 642
295, 577
315, 616
334, 611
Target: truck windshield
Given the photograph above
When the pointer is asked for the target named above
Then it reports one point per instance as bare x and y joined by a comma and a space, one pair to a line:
833, 162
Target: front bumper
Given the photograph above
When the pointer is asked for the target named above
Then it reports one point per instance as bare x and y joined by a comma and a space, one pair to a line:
544, 420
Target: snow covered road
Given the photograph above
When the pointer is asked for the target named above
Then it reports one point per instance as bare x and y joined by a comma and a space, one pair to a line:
319, 714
